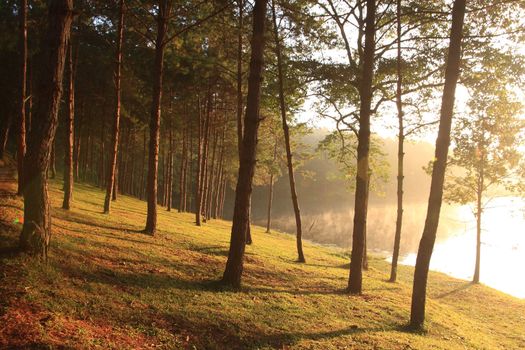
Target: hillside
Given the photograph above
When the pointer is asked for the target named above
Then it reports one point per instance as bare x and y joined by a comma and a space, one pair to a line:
108, 286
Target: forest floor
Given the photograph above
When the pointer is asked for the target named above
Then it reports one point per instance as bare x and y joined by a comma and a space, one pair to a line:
106, 285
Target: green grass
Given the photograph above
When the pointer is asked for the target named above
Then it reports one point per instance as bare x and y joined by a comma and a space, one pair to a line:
106, 285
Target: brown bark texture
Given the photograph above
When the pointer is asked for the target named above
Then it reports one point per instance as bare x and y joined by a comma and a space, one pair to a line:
355, 280
36, 231
426, 245
234, 265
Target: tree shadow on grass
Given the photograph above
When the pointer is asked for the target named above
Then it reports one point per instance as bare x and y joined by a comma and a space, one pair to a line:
461, 287
216, 250
224, 334
85, 220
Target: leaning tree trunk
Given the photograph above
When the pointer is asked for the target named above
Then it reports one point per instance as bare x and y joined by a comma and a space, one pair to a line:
70, 127
36, 231
234, 265
270, 192
116, 122
154, 125
23, 81
426, 245
400, 152
355, 280
295, 201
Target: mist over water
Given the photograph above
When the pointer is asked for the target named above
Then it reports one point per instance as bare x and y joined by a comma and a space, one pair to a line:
327, 215
502, 249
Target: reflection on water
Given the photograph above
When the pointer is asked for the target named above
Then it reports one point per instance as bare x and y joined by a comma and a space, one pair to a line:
502, 247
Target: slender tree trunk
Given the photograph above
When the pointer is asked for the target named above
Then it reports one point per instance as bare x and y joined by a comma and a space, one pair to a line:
23, 81
198, 187
211, 179
78, 141
182, 175
101, 179
239, 78
479, 212
234, 265
289, 163
426, 245
170, 169
218, 181
205, 152
53, 159
270, 191
36, 231
70, 137
400, 152
191, 166
143, 167
116, 122
355, 280
162, 28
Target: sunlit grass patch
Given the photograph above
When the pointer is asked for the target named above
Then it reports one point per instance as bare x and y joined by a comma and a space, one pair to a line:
109, 286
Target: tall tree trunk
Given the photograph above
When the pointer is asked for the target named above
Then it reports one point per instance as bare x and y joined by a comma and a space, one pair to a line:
234, 265
355, 280
400, 152
116, 122
218, 180
170, 169
270, 189
36, 231
76, 154
23, 81
70, 137
286, 130
182, 175
239, 78
205, 152
211, 179
426, 245
143, 167
162, 28
198, 187
479, 212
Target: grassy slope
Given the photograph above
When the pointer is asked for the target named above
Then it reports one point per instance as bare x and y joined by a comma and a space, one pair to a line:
109, 286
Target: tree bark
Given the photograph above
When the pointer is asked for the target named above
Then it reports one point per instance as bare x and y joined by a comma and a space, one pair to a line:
355, 280
239, 78
70, 127
36, 232
400, 152
426, 245
234, 265
286, 130
162, 28
23, 81
116, 122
